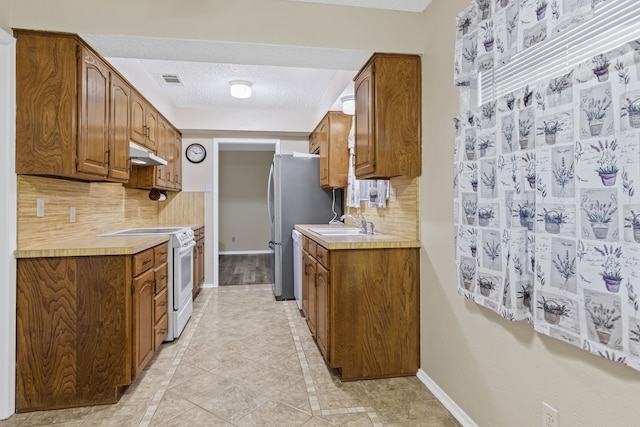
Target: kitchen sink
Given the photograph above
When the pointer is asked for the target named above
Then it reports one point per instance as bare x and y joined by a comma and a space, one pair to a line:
336, 231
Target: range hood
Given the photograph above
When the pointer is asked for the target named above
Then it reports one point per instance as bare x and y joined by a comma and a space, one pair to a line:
140, 156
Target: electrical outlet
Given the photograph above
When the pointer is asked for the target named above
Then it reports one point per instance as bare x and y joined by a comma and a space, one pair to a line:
40, 208
233, 239
72, 214
549, 416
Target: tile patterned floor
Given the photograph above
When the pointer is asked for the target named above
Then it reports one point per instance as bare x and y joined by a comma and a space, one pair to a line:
247, 360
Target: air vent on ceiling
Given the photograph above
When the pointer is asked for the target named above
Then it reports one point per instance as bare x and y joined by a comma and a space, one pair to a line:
172, 79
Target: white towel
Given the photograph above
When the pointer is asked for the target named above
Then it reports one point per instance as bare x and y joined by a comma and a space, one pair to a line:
353, 185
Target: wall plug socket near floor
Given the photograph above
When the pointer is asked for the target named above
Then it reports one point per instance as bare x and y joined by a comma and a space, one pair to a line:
549, 416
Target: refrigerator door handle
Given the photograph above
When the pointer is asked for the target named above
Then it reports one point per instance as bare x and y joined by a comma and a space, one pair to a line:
269, 207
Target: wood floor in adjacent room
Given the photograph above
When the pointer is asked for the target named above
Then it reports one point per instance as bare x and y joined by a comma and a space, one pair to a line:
254, 269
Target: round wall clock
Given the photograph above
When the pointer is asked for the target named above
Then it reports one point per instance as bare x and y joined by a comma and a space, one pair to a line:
196, 153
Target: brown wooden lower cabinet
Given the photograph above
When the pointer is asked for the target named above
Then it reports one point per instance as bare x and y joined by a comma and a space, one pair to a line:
85, 327
198, 260
366, 313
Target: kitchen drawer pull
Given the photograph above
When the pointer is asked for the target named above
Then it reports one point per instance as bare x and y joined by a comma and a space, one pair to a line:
147, 261
319, 256
164, 276
162, 304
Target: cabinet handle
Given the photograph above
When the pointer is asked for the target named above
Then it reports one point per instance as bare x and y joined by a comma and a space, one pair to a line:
319, 256
164, 276
146, 261
162, 304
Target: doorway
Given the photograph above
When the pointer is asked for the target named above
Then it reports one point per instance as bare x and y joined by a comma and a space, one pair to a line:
231, 144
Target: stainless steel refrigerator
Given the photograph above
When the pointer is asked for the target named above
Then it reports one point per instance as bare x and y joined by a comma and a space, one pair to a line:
295, 197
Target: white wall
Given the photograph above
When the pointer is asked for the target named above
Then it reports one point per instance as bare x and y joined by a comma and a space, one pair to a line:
8, 226
244, 223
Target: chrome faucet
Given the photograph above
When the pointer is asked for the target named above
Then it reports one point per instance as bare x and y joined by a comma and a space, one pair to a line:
351, 217
362, 224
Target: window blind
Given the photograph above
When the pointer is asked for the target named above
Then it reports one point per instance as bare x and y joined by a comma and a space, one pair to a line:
614, 23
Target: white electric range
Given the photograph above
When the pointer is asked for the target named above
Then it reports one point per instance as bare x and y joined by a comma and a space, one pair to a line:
180, 266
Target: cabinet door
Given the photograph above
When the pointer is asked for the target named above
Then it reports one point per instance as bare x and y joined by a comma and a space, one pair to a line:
177, 161
365, 122
138, 127
322, 309
93, 120
151, 121
161, 171
171, 157
143, 319
310, 275
120, 129
196, 269
322, 138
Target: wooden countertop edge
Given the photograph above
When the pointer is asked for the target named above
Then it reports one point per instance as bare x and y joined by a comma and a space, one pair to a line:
376, 241
98, 245
92, 246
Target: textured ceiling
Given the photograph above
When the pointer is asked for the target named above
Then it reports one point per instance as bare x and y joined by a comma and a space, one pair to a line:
285, 78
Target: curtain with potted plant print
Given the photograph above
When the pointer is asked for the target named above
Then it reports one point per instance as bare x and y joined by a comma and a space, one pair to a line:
547, 205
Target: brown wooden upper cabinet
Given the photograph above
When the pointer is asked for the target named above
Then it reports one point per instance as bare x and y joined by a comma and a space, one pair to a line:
331, 136
388, 117
144, 123
163, 177
72, 110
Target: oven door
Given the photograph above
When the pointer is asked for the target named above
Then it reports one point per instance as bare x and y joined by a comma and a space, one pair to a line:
182, 275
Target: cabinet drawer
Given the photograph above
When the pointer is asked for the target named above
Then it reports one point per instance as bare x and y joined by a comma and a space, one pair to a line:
161, 330
161, 301
305, 243
142, 261
160, 253
161, 274
322, 255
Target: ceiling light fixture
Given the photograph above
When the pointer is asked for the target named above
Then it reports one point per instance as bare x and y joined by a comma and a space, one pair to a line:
348, 104
240, 88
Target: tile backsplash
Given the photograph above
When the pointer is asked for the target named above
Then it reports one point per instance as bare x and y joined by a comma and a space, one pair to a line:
100, 207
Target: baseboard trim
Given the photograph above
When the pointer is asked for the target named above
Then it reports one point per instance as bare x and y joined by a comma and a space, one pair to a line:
208, 285
267, 251
444, 398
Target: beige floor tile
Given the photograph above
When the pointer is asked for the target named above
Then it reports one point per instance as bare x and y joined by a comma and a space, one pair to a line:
234, 402
248, 360
122, 414
274, 414
348, 420
46, 418
171, 406
196, 417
